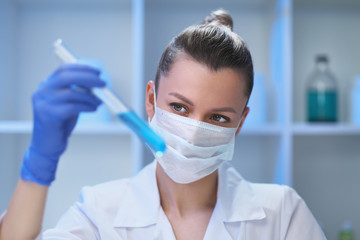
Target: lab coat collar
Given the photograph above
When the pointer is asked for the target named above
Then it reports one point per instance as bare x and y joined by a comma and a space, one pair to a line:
141, 203
236, 197
140, 206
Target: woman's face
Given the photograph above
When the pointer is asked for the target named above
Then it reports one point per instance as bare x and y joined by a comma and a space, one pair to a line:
192, 90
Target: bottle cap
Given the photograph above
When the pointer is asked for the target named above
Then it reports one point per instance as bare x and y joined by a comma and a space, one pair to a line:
347, 226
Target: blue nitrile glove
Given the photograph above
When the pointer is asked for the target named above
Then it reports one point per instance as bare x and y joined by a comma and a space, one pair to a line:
56, 105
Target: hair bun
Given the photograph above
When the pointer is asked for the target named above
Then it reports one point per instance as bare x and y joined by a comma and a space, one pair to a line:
219, 17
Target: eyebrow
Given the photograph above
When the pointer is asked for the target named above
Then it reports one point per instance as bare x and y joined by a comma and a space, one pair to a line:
224, 109
183, 98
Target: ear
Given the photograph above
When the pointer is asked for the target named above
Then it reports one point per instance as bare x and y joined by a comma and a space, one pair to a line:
246, 112
149, 99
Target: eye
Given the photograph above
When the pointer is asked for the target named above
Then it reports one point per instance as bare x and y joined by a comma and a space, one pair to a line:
178, 107
220, 118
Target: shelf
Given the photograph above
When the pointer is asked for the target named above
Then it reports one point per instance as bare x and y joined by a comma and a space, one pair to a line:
114, 128
263, 130
15, 127
25, 127
325, 129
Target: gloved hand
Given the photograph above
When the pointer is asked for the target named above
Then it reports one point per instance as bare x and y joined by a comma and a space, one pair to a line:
56, 105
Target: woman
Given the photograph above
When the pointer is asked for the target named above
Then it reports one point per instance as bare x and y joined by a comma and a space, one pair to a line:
198, 104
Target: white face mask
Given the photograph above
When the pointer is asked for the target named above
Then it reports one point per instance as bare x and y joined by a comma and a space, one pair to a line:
195, 149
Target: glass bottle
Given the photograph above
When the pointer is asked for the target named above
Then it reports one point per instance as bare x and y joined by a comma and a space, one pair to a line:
346, 232
322, 93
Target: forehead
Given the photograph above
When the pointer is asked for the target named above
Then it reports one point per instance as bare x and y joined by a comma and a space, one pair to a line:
201, 84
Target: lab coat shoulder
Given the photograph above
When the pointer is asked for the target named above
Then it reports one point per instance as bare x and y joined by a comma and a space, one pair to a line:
287, 211
103, 198
106, 210
270, 196
93, 213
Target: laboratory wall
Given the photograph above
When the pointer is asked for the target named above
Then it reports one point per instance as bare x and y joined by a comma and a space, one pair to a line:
7, 60
101, 32
320, 161
103, 37
7, 96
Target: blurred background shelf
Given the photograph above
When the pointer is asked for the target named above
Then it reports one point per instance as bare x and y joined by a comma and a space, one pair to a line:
114, 128
262, 130
25, 127
325, 129
15, 127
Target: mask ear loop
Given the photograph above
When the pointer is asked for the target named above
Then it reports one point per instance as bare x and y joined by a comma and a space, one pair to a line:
154, 98
154, 105
242, 115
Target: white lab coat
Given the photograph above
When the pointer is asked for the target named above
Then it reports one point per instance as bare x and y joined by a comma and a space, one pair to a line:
130, 209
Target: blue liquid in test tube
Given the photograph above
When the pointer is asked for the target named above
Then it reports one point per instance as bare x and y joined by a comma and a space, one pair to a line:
142, 130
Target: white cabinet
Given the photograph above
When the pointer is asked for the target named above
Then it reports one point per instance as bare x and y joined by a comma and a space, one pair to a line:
319, 161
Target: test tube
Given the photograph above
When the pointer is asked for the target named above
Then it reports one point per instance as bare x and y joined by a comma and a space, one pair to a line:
117, 106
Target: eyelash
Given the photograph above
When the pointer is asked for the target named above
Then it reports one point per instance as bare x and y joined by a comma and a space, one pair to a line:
177, 105
226, 119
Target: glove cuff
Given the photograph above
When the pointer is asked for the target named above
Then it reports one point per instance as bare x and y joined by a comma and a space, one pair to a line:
38, 168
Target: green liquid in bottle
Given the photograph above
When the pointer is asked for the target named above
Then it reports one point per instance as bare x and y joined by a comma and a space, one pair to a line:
322, 106
346, 236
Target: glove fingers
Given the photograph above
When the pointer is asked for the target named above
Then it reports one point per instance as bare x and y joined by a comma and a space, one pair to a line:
76, 74
76, 67
71, 124
77, 96
66, 111
81, 79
